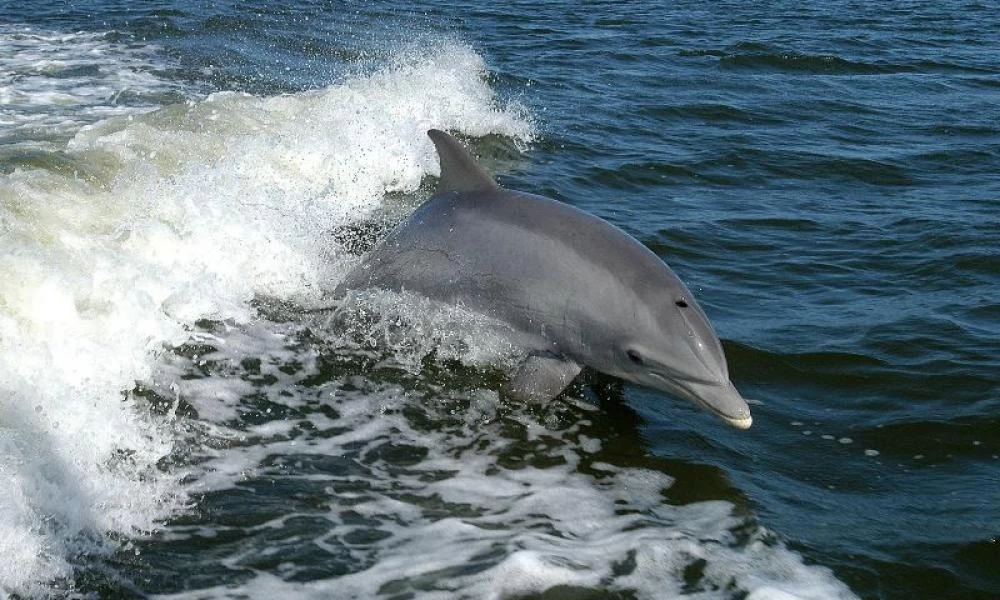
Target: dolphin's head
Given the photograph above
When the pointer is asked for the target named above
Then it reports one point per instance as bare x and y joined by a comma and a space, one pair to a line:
676, 351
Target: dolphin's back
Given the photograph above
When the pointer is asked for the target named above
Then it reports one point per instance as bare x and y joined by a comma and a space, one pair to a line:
523, 258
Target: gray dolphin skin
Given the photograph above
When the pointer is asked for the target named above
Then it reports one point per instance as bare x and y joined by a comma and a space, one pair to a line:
577, 290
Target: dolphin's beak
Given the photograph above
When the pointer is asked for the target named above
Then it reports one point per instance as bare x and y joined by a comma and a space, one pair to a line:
723, 400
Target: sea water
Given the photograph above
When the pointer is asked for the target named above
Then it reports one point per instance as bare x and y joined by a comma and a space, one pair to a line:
184, 410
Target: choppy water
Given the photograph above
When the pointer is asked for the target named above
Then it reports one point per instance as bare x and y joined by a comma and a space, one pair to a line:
181, 185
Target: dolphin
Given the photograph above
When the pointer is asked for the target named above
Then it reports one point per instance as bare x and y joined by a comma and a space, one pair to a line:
577, 290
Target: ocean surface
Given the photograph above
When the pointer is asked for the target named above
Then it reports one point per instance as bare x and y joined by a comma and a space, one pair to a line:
186, 412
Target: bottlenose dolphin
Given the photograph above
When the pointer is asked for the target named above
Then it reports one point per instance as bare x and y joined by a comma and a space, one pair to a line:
576, 289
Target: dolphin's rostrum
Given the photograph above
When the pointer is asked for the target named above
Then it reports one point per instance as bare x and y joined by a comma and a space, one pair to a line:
577, 290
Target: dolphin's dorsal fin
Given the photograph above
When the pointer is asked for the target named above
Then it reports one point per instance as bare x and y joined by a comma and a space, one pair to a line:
459, 170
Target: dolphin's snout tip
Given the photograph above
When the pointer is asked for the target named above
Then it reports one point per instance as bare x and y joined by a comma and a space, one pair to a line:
724, 401
740, 423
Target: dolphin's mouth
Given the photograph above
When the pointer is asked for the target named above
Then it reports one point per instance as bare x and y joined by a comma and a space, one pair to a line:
721, 399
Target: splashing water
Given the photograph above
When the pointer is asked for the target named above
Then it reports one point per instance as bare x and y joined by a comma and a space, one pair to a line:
147, 223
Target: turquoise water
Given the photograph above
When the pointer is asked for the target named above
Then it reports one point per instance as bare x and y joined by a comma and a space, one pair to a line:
182, 185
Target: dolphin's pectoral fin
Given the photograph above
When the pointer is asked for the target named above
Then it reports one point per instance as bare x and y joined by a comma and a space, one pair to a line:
541, 378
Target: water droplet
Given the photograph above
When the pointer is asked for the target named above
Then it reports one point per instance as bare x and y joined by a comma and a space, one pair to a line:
846, 440
870, 452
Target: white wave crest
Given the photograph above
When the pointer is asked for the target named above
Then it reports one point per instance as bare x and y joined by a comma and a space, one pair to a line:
150, 222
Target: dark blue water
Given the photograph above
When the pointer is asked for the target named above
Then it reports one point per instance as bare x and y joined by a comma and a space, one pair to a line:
824, 176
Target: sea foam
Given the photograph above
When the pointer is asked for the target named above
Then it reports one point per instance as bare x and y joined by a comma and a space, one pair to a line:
152, 221
53, 82
407, 488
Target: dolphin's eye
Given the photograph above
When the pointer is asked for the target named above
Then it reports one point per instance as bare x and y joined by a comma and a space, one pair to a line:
681, 302
634, 356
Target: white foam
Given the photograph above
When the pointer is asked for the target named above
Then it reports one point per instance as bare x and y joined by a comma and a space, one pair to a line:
186, 212
454, 520
53, 82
